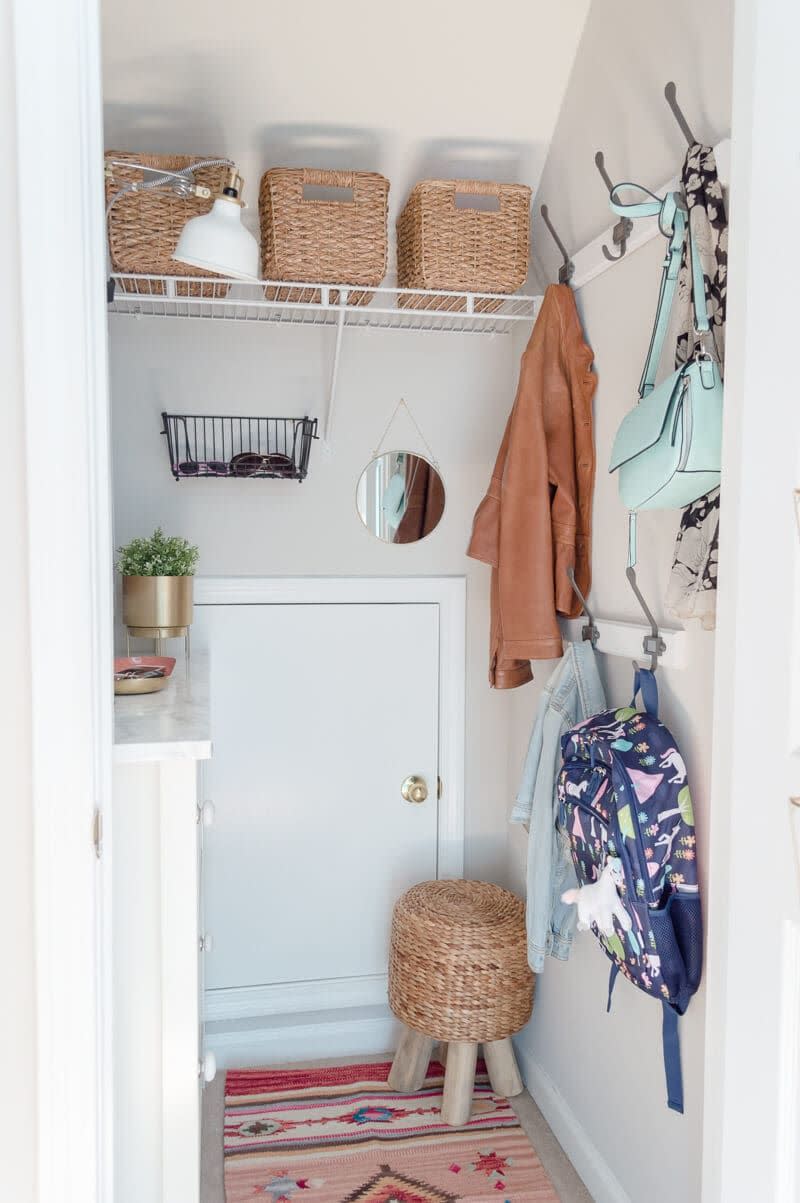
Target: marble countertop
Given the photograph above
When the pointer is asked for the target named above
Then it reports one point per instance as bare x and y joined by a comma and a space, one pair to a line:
173, 724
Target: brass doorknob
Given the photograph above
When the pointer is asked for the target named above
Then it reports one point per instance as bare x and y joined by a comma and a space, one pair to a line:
414, 789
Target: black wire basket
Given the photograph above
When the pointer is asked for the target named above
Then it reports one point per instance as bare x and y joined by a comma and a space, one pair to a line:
258, 448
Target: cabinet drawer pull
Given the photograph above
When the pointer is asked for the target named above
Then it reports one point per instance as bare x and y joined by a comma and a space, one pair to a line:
206, 814
207, 1069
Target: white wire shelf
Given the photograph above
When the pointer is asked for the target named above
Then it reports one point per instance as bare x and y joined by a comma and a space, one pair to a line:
319, 304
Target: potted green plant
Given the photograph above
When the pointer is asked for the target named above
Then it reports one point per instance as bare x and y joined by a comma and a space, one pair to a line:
157, 576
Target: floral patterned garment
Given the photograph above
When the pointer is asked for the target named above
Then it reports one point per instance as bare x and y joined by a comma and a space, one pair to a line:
692, 590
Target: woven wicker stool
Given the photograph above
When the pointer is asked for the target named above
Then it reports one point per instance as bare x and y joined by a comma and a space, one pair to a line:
458, 973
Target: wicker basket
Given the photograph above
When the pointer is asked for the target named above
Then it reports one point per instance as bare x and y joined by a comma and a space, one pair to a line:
327, 241
458, 967
441, 245
144, 227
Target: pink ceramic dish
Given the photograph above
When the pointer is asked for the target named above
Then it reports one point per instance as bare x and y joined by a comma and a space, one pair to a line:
142, 674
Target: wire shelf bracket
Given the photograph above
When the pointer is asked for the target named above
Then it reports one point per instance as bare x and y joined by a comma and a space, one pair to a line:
277, 302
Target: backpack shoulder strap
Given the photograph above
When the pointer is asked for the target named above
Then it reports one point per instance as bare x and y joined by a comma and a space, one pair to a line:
644, 682
672, 1058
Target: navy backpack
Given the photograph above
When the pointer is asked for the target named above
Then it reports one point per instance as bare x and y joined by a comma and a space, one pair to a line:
623, 793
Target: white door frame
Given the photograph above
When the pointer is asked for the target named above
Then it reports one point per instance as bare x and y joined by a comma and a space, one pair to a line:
61, 307
449, 593
751, 1133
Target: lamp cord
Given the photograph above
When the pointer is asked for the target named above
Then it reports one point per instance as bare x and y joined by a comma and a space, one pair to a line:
163, 179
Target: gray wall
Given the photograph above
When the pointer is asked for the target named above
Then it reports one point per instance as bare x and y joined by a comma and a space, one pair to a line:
614, 102
459, 388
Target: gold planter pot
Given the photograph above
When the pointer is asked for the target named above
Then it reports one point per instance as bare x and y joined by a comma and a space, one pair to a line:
157, 604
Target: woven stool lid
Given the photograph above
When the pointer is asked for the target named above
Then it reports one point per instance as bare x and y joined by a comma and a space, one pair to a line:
474, 904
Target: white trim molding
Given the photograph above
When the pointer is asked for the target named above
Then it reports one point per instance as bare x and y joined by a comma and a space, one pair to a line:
751, 1078
285, 998
281, 1039
449, 593
787, 1156
586, 1157
61, 304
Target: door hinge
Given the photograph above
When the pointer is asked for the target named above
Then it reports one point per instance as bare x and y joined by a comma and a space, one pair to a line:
97, 832
439, 787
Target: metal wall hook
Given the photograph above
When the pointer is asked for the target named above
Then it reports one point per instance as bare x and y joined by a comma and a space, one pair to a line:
652, 645
567, 269
589, 629
622, 230
670, 92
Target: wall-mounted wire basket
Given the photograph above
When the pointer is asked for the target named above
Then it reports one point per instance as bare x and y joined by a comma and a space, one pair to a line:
257, 448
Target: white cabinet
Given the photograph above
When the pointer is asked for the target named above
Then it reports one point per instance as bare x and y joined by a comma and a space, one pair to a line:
159, 1064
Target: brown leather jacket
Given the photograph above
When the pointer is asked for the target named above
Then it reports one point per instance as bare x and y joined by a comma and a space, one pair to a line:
536, 518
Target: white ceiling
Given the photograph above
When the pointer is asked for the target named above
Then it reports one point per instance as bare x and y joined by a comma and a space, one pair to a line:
460, 88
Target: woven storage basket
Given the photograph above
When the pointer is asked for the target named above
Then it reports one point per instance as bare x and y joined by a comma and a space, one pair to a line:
441, 245
326, 241
458, 967
144, 227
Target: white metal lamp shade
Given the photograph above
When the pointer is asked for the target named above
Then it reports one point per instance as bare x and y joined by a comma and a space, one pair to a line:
218, 242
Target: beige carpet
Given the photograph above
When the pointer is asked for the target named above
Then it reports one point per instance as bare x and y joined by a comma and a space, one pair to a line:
552, 1156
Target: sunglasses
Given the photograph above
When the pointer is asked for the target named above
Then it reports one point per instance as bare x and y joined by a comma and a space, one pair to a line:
251, 463
211, 467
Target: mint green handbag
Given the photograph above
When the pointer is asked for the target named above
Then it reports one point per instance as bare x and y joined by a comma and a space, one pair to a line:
668, 449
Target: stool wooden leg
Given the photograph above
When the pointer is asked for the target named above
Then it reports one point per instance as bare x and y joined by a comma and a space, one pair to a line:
459, 1082
502, 1066
410, 1061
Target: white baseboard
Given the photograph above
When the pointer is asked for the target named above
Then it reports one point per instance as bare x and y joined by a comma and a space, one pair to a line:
584, 1154
275, 1039
285, 998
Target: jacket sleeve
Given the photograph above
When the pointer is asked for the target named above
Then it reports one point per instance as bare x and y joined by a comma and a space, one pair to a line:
484, 544
571, 460
530, 629
563, 518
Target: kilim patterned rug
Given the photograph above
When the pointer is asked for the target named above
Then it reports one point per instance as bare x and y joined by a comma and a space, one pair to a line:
339, 1135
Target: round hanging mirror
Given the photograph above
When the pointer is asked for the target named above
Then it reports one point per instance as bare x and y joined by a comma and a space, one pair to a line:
400, 497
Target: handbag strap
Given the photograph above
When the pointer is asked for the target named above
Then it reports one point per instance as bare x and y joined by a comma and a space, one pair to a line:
672, 222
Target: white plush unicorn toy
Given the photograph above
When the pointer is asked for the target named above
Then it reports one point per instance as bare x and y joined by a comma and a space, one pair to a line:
600, 902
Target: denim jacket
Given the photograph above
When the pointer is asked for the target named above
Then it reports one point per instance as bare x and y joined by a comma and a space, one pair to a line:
573, 693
